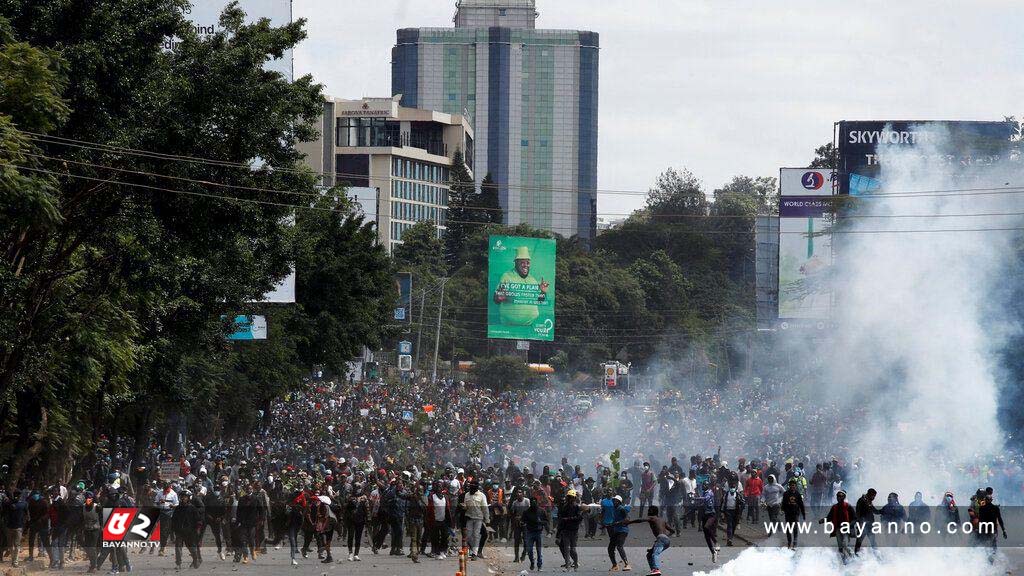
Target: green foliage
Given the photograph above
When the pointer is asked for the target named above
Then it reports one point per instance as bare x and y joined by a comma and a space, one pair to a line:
826, 156
615, 458
490, 204
677, 194
346, 282
462, 214
117, 267
501, 372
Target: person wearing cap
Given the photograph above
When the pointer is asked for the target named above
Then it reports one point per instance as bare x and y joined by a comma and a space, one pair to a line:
842, 519
618, 530
570, 515
518, 292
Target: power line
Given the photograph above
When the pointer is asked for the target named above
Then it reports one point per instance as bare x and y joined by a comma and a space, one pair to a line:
159, 189
305, 207
58, 140
318, 195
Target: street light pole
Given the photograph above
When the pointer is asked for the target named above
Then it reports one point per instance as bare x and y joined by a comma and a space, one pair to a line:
437, 336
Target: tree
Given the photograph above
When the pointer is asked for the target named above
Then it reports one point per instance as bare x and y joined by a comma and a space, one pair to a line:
460, 210
490, 204
421, 252
117, 265
676, 194
501, 372
346, 284
826, 156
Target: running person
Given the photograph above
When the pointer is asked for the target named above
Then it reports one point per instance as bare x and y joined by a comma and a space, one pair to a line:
661, 531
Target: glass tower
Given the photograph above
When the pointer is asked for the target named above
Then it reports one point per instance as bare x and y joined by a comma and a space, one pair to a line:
531, 96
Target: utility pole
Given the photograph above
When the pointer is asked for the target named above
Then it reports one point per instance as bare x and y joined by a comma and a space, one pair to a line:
437, 337
419, 331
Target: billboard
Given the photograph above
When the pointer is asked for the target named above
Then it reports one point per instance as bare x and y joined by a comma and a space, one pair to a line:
205, 15
403, 307
805, 254
969, 146
521, 288
249, 328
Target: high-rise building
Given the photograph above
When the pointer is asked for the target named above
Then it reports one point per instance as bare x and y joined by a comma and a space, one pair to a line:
532, 98
404, 153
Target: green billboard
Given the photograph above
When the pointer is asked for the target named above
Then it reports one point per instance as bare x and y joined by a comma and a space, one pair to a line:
521, 288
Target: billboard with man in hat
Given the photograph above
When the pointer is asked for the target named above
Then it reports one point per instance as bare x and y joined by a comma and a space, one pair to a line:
521, 284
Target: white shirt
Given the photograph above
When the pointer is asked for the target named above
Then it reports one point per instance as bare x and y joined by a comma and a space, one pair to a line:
439, 507
167, 501
689, 486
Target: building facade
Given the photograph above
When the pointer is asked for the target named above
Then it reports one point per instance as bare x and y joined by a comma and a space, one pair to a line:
532, 97
405, 153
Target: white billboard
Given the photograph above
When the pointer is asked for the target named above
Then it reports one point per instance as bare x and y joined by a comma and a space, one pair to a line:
805, 251
205, 14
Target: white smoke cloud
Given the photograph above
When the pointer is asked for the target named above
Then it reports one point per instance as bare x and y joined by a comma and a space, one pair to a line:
886, 562
917, 341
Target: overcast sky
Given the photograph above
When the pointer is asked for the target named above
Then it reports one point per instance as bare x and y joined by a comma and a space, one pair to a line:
725, 87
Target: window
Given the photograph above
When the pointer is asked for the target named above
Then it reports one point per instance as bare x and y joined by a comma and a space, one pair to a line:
502, 11
526, 143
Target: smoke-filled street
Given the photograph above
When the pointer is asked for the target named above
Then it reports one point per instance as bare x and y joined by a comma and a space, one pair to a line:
504, 287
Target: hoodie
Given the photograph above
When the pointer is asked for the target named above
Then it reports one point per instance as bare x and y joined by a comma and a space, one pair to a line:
772, 493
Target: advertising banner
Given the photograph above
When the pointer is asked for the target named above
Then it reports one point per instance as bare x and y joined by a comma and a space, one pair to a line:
249, 328
805, 253
969, 146
205, 18
403, 308
521, 288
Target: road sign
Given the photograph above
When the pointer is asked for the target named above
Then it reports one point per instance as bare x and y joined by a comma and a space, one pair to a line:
610, 374
405, 347
404, 362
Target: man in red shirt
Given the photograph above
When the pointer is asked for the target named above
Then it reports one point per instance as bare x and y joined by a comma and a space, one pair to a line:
752, 493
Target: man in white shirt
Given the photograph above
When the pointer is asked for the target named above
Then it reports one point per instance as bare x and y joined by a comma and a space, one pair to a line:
166, 501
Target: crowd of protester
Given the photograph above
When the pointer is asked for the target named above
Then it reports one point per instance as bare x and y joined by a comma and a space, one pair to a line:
424, 469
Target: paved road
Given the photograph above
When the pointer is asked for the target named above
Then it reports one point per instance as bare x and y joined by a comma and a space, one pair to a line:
688, 553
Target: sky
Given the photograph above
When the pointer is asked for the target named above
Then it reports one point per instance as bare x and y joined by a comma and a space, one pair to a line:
724, 87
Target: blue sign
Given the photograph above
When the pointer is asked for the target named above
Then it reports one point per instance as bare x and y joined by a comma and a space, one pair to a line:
249, 328
405, 347
407, 415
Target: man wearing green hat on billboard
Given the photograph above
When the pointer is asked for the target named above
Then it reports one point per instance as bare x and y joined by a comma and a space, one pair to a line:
521, 281
513, 311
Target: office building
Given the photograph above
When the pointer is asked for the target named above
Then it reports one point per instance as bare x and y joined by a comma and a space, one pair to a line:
405, 153
531, 95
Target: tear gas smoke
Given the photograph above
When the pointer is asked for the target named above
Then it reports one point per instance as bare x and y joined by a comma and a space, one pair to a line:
887, 562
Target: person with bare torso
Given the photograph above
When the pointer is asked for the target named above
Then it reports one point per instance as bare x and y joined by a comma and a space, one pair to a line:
661, 531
